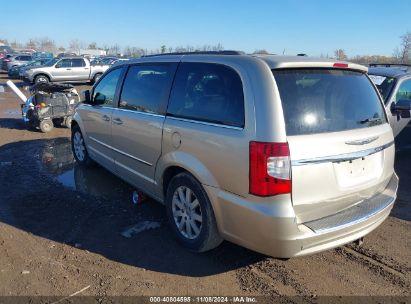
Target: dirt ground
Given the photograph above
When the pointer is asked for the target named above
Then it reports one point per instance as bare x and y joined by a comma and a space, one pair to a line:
65, 229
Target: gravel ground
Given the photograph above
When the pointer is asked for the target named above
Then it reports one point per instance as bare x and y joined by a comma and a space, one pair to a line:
65, 229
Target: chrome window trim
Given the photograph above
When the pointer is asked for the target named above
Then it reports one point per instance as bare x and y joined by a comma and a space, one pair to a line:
205, 123
340, 157
121, 152
140, 112
98, 107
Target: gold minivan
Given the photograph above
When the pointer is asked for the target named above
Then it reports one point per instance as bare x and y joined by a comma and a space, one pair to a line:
283, 155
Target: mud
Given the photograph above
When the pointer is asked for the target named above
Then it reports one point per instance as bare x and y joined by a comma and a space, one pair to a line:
63, 228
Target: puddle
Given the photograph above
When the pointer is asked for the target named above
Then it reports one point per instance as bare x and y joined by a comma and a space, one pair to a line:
11, 112
57, 159
67, 179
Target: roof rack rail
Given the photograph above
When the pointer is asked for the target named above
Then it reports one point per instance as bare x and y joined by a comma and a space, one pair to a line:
387, 65
227, 52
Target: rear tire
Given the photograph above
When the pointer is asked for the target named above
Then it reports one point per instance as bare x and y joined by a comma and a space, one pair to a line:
78, 147
46, 125
190, 214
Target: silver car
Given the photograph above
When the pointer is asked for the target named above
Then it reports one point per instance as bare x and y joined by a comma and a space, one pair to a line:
283, 155
394, 83
17, 60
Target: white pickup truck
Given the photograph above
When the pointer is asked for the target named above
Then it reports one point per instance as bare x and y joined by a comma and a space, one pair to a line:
67, 69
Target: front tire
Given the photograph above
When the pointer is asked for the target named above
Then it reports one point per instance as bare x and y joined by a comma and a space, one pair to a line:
190, 214
78, 147
41, 79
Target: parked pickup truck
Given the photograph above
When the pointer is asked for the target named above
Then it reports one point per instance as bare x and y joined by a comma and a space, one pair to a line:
67, 69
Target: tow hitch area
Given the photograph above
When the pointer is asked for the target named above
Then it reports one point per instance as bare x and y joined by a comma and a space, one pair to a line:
359, 242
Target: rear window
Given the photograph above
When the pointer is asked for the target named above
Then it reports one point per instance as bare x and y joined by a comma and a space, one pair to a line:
327, 100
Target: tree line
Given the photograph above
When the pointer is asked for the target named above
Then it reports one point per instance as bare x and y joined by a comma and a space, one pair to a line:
401, 54
45, 44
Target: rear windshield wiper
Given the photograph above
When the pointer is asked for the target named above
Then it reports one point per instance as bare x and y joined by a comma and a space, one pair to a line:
371, 121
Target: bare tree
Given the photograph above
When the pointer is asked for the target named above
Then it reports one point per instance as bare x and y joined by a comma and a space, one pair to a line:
46, 44
114, 49
92, 46
16, 45
4, 41
262, 51
340, 54
403, 54
32, 44
76, 45
218, 47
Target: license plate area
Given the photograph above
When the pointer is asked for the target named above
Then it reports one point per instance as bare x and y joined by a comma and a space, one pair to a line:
359, 171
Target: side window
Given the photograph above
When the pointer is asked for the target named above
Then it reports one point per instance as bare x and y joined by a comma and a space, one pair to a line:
78, 63
64, 63
26, 58
404, 91
146, 87
104, 92
18, 58
207, 92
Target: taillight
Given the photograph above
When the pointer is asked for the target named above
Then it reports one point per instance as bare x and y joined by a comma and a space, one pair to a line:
340, 65
269, 168
6, 60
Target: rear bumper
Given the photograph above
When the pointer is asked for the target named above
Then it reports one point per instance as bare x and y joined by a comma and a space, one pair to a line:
274, 231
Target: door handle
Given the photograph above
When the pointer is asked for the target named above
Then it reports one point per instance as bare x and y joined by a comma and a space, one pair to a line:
68, 69
117, 121
106, 118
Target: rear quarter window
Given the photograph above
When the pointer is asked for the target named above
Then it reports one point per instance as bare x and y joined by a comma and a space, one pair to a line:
327, 100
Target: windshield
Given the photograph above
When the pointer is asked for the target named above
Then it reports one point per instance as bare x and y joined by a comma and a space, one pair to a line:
327, 100
384, 85
51, 62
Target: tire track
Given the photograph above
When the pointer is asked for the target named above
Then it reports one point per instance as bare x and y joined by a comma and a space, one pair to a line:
388, 262
268, 278
389, 274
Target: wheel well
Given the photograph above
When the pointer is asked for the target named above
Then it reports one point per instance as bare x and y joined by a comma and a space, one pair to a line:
74, 123
41, 74
169, 174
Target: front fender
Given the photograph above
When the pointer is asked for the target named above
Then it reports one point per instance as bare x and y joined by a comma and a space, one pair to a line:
41, 73
77, 119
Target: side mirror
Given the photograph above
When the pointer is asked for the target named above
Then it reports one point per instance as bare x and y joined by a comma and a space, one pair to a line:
99, 99
85, 97
401, 105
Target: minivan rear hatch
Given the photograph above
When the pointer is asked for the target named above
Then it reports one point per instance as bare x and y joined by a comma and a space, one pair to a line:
341, 146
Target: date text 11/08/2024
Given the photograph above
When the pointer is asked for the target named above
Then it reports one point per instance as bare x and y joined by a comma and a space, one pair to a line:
239, 299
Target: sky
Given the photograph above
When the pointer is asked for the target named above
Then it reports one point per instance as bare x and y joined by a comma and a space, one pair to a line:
315, 27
